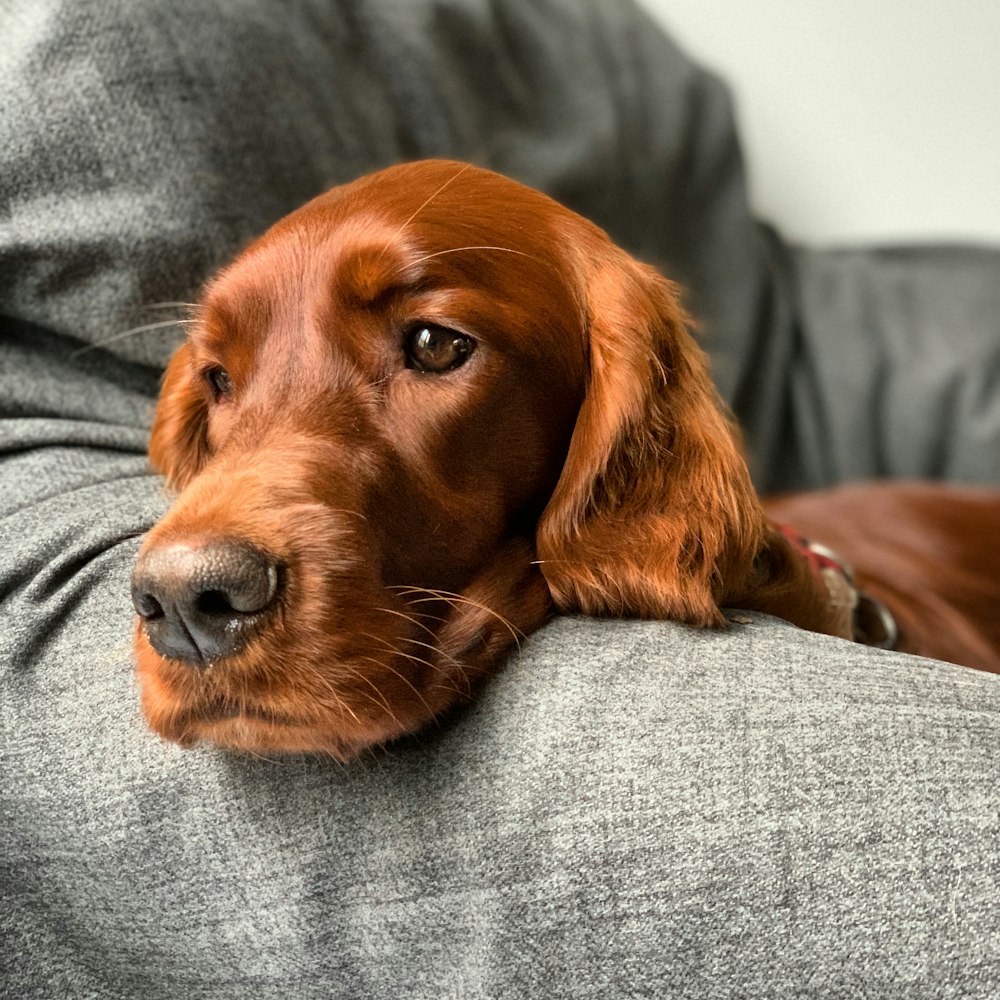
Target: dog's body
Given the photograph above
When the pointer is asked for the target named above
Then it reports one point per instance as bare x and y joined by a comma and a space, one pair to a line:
414, 418
927, 551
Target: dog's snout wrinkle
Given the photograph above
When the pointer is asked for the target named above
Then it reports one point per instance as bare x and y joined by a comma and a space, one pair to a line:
199, 603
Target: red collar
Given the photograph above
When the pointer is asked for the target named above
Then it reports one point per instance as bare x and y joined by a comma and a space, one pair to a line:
818, 556
871, 622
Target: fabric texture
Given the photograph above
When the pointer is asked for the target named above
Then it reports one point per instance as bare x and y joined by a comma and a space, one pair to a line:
632, 809
896, 367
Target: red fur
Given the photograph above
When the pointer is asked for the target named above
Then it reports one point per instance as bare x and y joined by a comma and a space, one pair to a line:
579, 460
930, 552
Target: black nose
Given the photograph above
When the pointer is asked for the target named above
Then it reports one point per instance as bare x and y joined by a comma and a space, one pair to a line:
200, 603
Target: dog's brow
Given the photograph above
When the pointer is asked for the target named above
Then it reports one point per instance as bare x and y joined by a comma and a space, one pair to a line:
368, 275
233, 312
211, 330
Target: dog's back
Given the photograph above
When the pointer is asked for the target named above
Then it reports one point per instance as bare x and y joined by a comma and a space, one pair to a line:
929, 551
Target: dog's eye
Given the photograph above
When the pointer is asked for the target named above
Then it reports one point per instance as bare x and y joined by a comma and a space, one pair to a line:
219, 381
436, 349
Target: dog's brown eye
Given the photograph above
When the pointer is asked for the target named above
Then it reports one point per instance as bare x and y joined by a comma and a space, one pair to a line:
436, 349
220, 382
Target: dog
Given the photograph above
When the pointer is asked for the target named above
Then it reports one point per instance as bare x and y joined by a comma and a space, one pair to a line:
411, 421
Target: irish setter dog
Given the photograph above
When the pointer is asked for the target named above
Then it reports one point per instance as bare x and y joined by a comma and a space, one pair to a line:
410, 421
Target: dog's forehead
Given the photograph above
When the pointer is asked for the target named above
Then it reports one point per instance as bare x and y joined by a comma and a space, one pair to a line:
466, 234
305, 253
433, 208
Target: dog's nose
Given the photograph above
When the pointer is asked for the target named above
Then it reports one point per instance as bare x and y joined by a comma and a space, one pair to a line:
200, 603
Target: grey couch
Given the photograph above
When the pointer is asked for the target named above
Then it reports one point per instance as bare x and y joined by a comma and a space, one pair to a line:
632, 809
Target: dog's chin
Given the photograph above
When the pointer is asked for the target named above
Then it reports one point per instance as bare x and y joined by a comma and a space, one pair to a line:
258, 730
254, 734
222, 705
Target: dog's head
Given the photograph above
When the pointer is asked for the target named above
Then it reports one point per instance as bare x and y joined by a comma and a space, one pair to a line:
407, 421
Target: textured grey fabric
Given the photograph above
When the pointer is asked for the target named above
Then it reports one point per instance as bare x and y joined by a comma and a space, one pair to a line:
144, 142
895, 368
633, 809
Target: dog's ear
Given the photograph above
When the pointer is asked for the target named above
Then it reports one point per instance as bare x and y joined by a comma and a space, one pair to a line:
654, 514
178, 445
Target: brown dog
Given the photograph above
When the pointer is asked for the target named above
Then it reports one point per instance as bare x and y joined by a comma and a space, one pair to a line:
414, 417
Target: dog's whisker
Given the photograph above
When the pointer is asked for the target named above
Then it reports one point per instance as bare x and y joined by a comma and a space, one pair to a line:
453, 598
402, 229
450, 597
411, 620
335, 696
341, 702
388, 666
410, 612
260, 756
413, 658
435, 649
396, 651
459, 667
125, 334
171, 305
378, 700
446, 678
361, 675
440, 253
352, 513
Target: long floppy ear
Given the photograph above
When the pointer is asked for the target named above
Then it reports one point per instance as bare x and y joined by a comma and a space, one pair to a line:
178, 445
654, 514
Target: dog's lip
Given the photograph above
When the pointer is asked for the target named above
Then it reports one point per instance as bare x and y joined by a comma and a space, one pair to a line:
259, 730
259, 714
227, 711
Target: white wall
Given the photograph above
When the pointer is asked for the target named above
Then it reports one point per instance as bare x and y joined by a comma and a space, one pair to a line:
862, 120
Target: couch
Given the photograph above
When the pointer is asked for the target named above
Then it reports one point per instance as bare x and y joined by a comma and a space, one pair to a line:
633, 809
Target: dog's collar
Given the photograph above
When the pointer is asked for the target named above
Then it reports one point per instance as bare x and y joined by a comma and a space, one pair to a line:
860, 616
